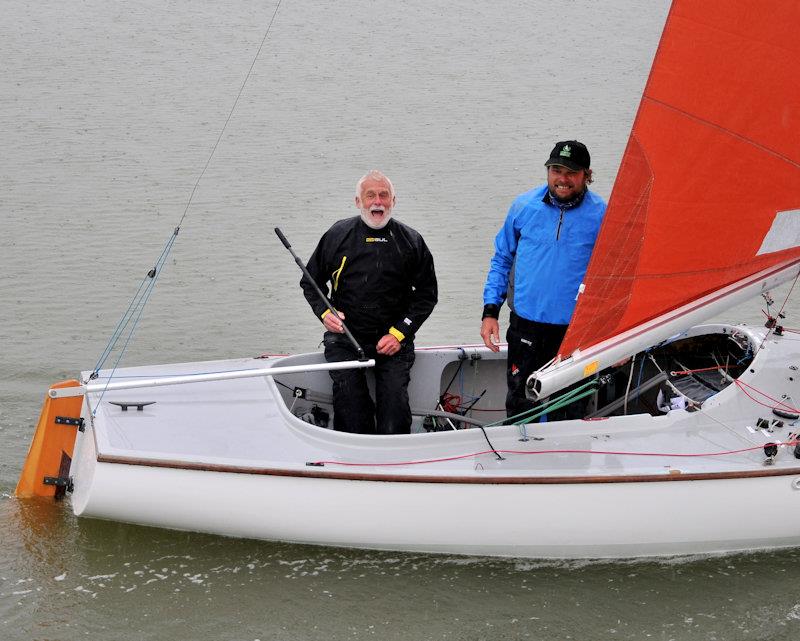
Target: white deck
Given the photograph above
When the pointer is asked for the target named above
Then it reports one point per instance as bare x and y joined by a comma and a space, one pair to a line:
246, 423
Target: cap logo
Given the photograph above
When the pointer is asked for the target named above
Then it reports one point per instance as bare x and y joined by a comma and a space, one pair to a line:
566, 151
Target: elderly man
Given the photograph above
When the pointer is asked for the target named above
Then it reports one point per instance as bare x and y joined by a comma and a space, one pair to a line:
383, 285
541, 256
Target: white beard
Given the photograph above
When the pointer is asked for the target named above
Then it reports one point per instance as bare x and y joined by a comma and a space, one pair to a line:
371, 223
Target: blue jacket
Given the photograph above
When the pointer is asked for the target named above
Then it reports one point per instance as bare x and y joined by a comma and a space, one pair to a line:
541, 255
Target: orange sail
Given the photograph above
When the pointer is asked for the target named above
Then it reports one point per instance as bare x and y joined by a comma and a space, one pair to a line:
708, 192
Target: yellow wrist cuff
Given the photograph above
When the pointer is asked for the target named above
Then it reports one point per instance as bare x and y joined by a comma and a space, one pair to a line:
397, 334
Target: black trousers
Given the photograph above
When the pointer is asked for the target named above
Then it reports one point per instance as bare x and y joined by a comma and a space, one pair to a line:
530, 345
353, 407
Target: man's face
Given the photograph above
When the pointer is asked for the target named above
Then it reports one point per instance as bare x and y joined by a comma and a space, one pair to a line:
375, 202
564, 183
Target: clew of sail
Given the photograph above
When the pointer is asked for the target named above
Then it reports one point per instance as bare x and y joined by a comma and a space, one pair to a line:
705, 211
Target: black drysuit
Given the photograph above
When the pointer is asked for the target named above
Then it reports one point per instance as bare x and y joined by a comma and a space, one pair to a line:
383, 281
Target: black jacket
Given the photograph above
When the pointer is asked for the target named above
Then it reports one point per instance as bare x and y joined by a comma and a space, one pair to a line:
383, 280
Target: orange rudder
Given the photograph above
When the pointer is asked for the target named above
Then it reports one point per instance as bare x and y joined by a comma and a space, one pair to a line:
52, 446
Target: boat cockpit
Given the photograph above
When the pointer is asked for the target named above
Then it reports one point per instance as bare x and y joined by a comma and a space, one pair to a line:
461, 387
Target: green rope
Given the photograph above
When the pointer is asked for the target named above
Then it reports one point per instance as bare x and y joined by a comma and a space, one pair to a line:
557, 406
551, 404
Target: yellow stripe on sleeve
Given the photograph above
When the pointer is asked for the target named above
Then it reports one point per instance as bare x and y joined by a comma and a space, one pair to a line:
335, 275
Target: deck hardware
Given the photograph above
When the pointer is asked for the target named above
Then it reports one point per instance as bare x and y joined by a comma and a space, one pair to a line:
299, 392
315, 464
789, 416
68, 420
139, 405
763, 424
796, 484
770, 451
797, 451
60, 482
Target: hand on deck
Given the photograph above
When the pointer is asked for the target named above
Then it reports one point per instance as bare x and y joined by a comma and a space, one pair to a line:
388, 345
490, 333
333, 322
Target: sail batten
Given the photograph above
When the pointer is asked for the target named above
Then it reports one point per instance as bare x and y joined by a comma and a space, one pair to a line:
730, 132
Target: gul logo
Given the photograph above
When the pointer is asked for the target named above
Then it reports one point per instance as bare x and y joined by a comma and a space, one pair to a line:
377, 240
566, 151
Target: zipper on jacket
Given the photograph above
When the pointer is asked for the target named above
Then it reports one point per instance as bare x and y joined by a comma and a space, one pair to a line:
560, 221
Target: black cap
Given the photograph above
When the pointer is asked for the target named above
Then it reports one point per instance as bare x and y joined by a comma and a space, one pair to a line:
570, 154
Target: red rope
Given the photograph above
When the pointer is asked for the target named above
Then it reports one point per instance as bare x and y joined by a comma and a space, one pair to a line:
522, 452
451, 403
786, 406
702, 369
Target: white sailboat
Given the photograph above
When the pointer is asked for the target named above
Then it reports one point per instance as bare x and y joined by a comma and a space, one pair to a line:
689, 447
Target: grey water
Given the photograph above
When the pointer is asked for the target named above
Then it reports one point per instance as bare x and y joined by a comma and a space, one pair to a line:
109, 113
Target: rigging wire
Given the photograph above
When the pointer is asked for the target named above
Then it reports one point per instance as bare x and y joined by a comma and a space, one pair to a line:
628, 386
133, 314
233, 108
772, 323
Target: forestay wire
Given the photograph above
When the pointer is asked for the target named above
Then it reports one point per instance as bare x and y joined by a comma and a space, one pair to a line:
130, 319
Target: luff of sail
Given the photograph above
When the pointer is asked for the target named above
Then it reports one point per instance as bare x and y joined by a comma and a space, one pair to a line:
706, 203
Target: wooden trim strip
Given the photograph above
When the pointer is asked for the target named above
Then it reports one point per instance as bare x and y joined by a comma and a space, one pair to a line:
319, 473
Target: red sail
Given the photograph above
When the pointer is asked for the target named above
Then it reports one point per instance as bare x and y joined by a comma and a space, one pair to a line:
711, 168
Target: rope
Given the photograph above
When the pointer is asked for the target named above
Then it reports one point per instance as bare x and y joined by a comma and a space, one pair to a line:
133, 314
457, 457
782, 405
686, 372
552, 404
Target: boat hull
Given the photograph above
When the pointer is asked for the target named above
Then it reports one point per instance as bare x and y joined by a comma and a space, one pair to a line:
234, 458
539, 520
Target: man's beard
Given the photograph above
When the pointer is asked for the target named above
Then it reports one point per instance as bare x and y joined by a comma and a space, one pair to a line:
373, 224
574, 201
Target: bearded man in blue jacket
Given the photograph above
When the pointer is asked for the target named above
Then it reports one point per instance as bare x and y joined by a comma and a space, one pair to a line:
541, 256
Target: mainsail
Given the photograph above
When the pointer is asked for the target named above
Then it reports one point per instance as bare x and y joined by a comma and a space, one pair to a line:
707, 198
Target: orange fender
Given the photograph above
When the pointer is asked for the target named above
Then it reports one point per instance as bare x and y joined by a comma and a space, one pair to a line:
51, 449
